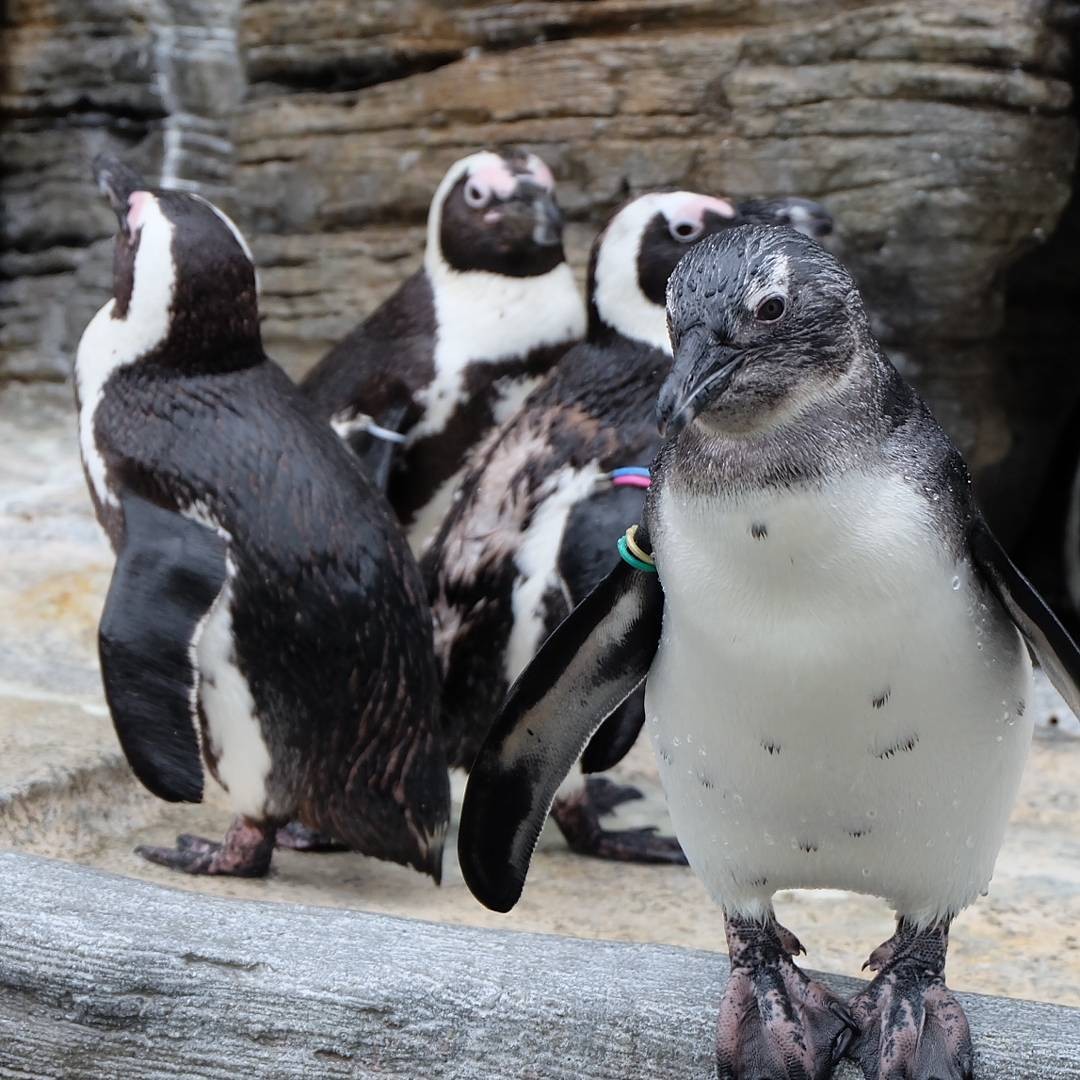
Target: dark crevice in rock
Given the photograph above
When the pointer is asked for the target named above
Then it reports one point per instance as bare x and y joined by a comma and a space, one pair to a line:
341, 76
1042, 329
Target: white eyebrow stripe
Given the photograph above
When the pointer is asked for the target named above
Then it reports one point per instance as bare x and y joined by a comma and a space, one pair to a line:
778, 271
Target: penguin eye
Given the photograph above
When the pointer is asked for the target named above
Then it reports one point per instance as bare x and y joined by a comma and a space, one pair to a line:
685, 231
476, 195
770, 310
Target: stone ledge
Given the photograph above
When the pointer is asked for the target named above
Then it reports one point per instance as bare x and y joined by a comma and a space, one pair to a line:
104, 976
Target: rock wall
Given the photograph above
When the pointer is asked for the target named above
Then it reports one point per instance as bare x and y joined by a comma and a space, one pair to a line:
941, 134
155, 80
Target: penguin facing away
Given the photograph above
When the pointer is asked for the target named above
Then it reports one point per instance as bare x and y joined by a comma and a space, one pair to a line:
265, 617
833, 650
529, 535
458, 347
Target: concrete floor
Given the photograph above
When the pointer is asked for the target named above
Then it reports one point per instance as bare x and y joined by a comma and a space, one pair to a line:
65, 790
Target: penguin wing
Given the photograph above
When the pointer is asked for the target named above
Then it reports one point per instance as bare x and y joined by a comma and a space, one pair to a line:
1049, 640
595, 659
168, 573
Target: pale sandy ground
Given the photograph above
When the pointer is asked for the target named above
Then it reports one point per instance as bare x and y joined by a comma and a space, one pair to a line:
64, 790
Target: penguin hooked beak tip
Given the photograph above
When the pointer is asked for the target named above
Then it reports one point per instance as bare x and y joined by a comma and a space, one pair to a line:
117, 182
700, 372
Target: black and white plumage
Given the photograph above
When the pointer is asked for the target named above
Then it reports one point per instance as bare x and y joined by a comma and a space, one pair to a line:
458, 347
532, 531
265, 616
837, 682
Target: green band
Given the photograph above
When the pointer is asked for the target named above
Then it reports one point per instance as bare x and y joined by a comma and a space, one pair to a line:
633, 560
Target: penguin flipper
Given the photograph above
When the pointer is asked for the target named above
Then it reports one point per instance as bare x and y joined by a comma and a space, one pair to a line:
1048, 639
588, 667
168, 573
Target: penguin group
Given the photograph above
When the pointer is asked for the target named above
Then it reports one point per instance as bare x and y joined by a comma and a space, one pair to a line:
503, 528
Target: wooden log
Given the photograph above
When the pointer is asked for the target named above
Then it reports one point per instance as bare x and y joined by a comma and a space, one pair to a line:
104, 976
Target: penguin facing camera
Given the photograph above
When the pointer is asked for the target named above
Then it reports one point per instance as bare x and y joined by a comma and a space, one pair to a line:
461, 343
265, 618
833, 648
530, 534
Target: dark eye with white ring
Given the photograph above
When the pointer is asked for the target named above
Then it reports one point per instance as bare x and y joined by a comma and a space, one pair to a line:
770, 309
684, 231
476, 194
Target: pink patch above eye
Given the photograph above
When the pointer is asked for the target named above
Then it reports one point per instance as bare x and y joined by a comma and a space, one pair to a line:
137, 206
695, 207
495, 177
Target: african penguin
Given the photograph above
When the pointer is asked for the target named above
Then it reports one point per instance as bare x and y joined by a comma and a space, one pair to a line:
265, 615
458, 347
530, 534
834, 647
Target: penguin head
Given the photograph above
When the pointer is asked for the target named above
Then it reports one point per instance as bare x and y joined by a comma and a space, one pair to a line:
763, 321
182, 273
635, 254
496, 212
804, 215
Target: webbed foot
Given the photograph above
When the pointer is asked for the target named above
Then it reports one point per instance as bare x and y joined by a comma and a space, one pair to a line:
245, 852
775, 1022
911, 1025
578, 817
298, 837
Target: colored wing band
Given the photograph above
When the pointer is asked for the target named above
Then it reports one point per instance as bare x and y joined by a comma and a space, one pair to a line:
629, 476
633, 555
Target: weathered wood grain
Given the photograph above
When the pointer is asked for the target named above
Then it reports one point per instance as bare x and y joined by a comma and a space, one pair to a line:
102, 977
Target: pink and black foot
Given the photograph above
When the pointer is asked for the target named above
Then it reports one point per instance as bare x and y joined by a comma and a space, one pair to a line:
245, 852
775, 1022
911, 1025
298, 837
578, 817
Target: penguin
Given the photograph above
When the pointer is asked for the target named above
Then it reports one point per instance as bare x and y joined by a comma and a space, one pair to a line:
459, 346
527, 538
266, 621
835, 655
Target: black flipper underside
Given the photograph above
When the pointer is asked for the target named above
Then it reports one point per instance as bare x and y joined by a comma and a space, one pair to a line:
617, 734
1049, 640
168, 574
588, 667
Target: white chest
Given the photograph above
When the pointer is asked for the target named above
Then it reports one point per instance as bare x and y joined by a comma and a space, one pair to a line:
484, 318
834, 703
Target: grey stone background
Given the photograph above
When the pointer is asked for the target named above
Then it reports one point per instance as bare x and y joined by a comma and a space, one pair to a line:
941, 133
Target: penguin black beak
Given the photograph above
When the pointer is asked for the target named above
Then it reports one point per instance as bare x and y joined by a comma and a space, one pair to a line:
547, 217
700, 372
804, 215
116, 181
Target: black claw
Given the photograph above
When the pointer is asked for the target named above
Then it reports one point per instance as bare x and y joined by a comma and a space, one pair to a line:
842, 1040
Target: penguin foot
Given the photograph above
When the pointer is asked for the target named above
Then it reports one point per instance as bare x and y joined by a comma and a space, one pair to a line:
911, 1027
605, 795
775, 1022
245, 851
298, 837
578, 818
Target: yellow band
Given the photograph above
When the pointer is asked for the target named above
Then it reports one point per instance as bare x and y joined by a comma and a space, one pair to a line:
636, 551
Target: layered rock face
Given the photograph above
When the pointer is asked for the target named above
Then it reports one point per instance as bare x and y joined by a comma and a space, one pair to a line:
942, 135
157, 81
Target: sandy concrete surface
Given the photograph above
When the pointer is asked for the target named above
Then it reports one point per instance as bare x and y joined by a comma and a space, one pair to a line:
65, 791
